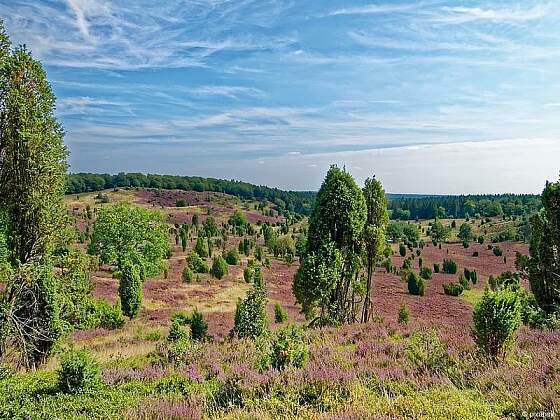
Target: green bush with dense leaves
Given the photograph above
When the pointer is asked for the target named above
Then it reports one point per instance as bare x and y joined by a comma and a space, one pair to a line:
250, 319
187, 274
130, 289
219, 267
426, 273
496, 318
416, 284
199, 327
402, 250
449, 266
452, 289
280, 315
232, 257
497, 251
288, 348
78, 372
196, 263
403, 314
436, 268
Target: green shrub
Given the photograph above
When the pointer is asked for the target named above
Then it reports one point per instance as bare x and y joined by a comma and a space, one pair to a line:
187, 274
402, 250
219, 267
108, 316
250, 319
467, 274
232, 257
452, 289
78, 372
280, 315
415, 284
474, 277
199, 327
498, 252
436, 268
426, 273
177, 331
449, 267
130, 289
201, 247
464, 282
481, 240
496, 318
180, 203
288, 348
403, 314
407, 264
196, 263
426, 353
248, 274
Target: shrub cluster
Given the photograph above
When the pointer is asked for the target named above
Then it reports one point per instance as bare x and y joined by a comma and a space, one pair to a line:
78, 372
449, 266
452, 289
196, 263
416, 284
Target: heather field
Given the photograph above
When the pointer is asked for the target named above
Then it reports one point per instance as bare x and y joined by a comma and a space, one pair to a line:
426, 367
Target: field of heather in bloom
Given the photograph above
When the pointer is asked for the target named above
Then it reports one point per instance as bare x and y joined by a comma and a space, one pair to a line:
424, 367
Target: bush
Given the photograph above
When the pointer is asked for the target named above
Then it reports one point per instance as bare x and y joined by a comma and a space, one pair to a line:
452, 289
498, 252
464, 282
449, 267
467, 274
288, 348
426, 353
436, 268
130, 289
219, 267
426, 273
232, 257
407, 264
280, 315
199, 327
481, 240
196, 263
108, 316
474, 277
180, 203
403, 314
187, 274
496, 317
248, 274
402, 250
415, 284
475, 254
250, 315
78, 372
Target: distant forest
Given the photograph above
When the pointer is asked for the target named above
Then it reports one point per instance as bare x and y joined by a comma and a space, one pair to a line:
287, 201
401, 206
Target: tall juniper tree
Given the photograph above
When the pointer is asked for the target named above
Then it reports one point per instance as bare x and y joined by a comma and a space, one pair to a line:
326, 278
374, 240
544, 263
32, 182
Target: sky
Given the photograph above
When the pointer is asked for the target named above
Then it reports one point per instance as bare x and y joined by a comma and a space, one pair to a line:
444, 97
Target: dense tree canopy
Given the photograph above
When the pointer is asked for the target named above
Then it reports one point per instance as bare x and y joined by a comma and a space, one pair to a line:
122, 232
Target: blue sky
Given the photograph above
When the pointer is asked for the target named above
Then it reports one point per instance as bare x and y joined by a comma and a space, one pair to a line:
430, 96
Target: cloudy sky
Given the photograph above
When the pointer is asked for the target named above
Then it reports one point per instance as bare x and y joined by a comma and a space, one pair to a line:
430, 96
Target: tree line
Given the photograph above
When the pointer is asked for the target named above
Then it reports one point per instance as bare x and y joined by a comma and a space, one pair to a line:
287, 201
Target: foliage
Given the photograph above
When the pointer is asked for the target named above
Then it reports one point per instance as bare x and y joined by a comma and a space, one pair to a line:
232, 257
315, 280
402, 250
449, 266
250, 319
436, 268
187, 274
122, 232
416, 284
197, 264
280, 315
403, 314
496, 318
219, 267
238, 219
543, 267
497, 251
426, 273
374, 241
465, 232
335, 229
426, 352
439, 232
201, 247
452, 289
288, 348
199, 327
130, 289
78, 372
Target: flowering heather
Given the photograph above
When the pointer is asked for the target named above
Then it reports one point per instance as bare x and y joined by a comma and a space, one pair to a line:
165, 409
112, 376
